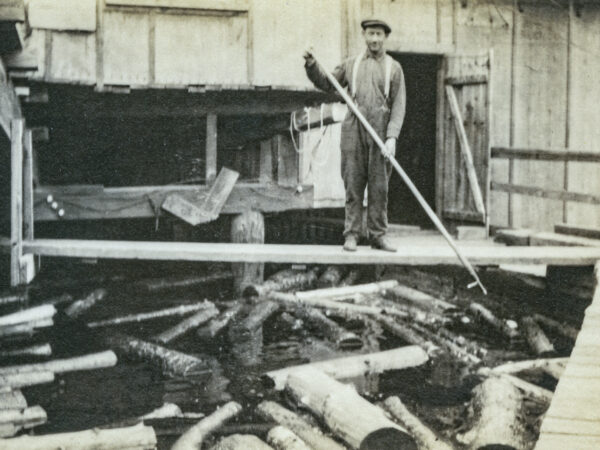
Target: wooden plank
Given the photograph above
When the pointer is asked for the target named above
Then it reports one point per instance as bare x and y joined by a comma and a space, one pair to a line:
514, 237
467, 79
204, 5
28, 186
545, 154
467, 216
420, 253
465, 150
546, 193
266, 162
548, 238
309, 118
64, 15
16, 200
210, 155
71, 57
558, 441
12, 11
9, 103
287, 161
576, 230
23, 60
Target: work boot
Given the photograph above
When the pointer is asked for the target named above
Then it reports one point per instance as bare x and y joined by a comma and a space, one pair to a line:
383, 243
350, 243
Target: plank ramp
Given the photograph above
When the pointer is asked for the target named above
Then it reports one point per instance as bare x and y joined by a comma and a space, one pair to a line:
411, 251
573, 418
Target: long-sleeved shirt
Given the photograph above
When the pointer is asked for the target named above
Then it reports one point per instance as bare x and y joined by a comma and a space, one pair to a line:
370, 89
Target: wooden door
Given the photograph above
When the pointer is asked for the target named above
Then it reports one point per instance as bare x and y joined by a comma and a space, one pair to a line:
463, 149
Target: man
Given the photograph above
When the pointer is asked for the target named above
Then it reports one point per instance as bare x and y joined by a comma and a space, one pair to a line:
376, 83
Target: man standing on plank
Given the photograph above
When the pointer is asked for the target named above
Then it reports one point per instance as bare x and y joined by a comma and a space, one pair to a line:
376, 83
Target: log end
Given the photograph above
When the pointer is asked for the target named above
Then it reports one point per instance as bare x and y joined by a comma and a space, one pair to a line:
386, 438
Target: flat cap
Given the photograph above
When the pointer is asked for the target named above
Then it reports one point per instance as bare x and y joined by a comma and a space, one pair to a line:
374, 22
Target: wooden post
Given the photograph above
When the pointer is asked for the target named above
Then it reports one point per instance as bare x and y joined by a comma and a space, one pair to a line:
248, 227
28, 263
266, 162
211, 148
16, 200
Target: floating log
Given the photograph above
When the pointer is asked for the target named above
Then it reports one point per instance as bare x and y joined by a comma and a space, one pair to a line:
311, 435
257, 315
456, 350
556, 327
495, 414
28, 417
33, 350
79, 307
331, 330
247, 228
216, 325
25, 328
22, 379
351, 417
160, 284
346, 292
332, 276
536, 338
192, 439
167, 410
35, 314
357, 365
171, 361
529, 389
9, 299
137, 437
283, 281
348, 310
8, 430
552, 366
240, 441
407, 334
12, 400
186, 325
86, 362
419, 299
489, 317
351, 278
282, 438
175, 311
426, 439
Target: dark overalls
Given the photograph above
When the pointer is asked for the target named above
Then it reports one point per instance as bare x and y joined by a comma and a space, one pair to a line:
362, 162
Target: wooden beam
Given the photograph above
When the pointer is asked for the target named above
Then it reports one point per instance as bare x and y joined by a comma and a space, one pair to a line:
16, 200
12, 11
408, 254
467, 79
549, 238
136, 202
546, 193
576, 230
465, 149
287, 161
9, 103
204, 5
545, 154
211, 148
28, 185
266, 161
24, 60
314, 117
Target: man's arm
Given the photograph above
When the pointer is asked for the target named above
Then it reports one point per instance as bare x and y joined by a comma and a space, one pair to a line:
398, 93
317, 76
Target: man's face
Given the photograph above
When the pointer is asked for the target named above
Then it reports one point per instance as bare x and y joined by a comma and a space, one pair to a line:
374, 38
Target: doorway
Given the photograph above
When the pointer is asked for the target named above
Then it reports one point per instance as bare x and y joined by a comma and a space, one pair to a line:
416, 148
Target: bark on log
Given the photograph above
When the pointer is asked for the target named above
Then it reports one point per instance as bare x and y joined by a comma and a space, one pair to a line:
426, 439
282, 438
216, 325
27, 417
331, 330
22, 379
28, 315
356, 421
407, 334
12, 400
77, 308
332, 276
346, 292
192, 439
159, 284
240, 441
529, 389
556, 327
489, 317
175, 311
537, 340
85, 362
419, 299
312, 436
25, 328
552, 366
283, 281
495, 415
171, 361
456, 350
247, 228
356, 365
137, 437
33, 350
257, 316
186, 325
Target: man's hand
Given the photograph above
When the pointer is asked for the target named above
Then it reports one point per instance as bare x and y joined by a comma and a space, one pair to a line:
310, 60
390, 148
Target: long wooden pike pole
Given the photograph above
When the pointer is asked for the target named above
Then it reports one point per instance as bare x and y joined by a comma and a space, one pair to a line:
436, 221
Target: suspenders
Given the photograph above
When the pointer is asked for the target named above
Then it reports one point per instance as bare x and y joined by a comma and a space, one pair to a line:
388, 74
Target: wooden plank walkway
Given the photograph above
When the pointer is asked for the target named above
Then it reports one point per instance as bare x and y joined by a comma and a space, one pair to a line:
431, 250
573, 418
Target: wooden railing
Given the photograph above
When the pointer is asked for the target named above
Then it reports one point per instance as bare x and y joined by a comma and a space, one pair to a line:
545, 155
